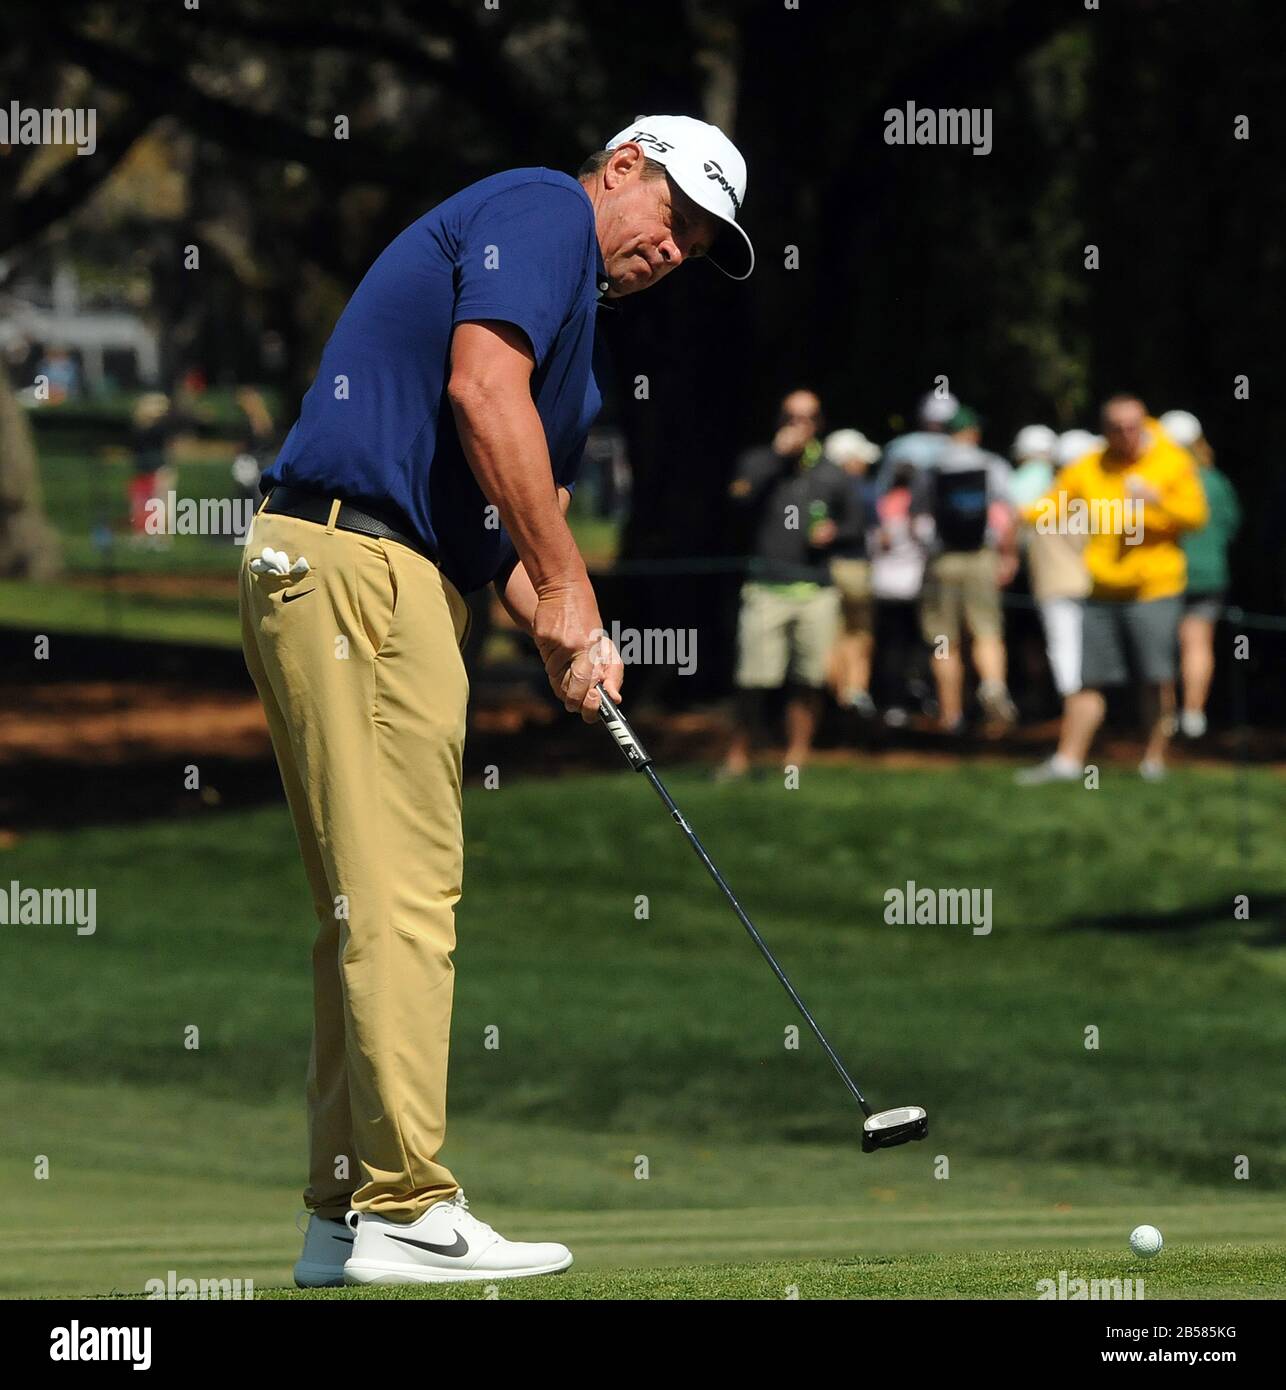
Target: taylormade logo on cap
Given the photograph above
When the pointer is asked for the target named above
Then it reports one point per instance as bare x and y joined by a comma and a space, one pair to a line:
707, 166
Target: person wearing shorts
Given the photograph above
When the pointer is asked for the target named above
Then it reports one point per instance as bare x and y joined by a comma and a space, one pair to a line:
785, 633
1208, 574
801, 505
1135, 496
960, 595
962, 501
1055, 561
1125, 638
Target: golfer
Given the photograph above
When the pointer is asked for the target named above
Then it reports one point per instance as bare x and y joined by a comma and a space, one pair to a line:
435, 453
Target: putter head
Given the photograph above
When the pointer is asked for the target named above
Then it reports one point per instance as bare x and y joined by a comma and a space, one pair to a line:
888, 1128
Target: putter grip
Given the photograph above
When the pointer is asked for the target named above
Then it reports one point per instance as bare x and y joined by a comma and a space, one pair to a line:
617, 725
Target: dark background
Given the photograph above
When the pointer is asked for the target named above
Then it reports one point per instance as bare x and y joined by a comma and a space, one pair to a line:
1111, 127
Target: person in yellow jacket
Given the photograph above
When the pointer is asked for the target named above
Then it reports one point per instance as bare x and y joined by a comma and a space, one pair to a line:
1132, 498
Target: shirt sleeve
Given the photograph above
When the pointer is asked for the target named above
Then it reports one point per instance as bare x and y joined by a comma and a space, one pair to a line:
756, 469
1000, 480
571, 469
1067, 480
1181, 505
523, 260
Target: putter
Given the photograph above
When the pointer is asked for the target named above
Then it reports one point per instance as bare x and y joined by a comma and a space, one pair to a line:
882, 1129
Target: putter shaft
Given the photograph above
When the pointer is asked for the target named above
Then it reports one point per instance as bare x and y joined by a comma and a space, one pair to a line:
628, 742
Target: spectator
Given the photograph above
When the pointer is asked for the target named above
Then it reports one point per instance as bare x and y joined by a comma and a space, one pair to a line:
851, 574
1137, 573
922, 446
897, 574
1033, 453
962, 512
1206, 550
1055, 560
1074, 444
800, 504
153, 426
62, 371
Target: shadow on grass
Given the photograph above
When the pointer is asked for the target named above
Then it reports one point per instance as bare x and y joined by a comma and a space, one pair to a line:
1266, 925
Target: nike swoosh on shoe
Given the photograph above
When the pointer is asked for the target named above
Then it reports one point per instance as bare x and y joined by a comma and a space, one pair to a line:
457, 1248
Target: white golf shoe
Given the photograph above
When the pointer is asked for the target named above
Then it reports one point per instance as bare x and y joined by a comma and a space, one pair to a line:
1051, 770
446, 1244
327, 1244
1192, 723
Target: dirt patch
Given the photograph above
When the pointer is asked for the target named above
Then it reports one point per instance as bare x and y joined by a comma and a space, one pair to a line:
95, 752
117, 722
123, 721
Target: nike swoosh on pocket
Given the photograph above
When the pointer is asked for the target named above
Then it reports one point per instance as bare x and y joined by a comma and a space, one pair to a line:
290, 598
457, 1248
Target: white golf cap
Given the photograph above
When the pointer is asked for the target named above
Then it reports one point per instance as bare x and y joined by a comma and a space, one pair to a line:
936, 410
706, 165
1182, 426
1034, 442
848, 446
1074, 444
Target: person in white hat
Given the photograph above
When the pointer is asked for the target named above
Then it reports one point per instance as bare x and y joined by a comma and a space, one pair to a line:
435, 455
1033, 455
705, 186
1055, 560
923, 446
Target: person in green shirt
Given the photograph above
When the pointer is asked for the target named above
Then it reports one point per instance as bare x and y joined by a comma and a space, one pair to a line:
1207, 555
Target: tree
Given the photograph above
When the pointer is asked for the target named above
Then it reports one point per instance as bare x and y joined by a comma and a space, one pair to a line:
28, 544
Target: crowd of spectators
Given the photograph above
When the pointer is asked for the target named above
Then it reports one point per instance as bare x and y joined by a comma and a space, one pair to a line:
878, 573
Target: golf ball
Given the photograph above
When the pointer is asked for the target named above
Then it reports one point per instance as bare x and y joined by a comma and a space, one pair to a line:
1145, 1241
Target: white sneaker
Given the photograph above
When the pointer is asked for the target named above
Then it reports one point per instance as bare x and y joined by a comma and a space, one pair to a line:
1192, 723
1152, 771
327, 1244
1051, 770
446, 1244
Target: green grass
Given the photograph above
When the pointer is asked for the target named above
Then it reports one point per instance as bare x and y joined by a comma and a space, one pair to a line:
665, 1038
144, 1182
86, 502
84, 494
1206, 1272
210, 620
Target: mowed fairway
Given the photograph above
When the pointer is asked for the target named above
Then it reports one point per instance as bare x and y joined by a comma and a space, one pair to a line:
643, 1103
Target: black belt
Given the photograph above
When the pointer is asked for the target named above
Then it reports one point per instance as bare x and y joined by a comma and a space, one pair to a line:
315, 506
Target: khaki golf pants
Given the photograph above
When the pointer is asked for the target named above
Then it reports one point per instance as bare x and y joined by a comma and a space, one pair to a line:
358, 665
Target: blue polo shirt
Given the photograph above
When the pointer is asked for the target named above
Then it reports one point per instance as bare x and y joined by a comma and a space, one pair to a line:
376, 425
